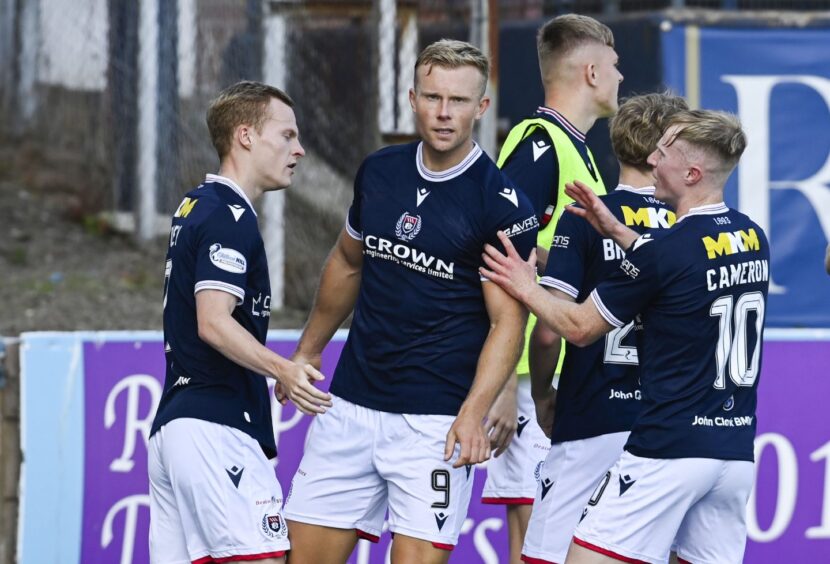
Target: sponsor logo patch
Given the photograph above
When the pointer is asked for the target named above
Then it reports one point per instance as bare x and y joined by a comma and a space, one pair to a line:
408, 226
526, 224
730, 243
228, 260
625, 483
539, 149
521, 424
236, 210
440, 519
421, 195
546, 486
235, 474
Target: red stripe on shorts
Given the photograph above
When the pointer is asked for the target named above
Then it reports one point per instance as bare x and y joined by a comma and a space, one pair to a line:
682, 561
443, 546
607, 552
240, 557
368, 536
507, 500
531, 560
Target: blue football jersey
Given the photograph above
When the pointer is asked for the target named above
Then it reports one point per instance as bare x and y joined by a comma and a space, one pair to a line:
420, 319
700, 289
599, 390
215, 244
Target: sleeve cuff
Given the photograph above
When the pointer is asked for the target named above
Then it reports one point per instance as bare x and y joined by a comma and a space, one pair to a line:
222, 287
604, 311
551, 282
353, 233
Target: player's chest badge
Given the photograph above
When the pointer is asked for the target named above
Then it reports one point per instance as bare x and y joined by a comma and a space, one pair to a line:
408, 226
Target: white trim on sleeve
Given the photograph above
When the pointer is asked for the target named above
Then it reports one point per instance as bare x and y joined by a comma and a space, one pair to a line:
604, 311
222, 287
551, 282
353, 233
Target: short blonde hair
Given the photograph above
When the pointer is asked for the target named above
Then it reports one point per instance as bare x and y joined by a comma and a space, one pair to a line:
244, 103
640, 123
561, 35
452, 54
718, 134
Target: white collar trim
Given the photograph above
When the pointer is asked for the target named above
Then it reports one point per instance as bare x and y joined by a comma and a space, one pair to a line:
711, 209
232, 185
450, 173
644, 191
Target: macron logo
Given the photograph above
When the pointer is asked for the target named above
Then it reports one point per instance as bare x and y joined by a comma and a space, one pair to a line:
237, 211
539, 149
510, 195
421, 195
642, 240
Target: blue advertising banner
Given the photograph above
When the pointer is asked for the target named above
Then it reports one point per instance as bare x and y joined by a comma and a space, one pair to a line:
88, 400
778, 82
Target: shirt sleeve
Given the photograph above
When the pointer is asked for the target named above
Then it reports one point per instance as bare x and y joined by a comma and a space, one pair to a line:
512, 213
354, 227
565, 269
629, 289
224, 249
534, 168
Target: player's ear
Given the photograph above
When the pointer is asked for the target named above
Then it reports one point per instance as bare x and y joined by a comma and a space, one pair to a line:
483, 104
243, 135
591, 74
693, 174
412, 98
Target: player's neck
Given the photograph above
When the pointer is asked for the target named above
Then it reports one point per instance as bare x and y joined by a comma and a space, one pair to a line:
697, 200
439, 161
572, 109
231, 171
635, 178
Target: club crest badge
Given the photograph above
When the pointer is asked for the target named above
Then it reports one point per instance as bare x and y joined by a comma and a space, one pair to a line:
408, 226
273, 526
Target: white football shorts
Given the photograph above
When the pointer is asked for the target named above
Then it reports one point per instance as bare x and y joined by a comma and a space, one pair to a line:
642, 504
359, 462
569, 476
513, 477
214, 496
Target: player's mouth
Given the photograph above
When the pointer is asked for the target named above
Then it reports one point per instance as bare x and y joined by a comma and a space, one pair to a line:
443, 131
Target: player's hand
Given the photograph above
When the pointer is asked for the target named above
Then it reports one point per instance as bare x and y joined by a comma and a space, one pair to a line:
545, 408
593, 209
501, 422
297, 383
515, 275
468, 432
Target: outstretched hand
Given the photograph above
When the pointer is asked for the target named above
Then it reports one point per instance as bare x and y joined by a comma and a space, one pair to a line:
297, 384
467, 432
593, 209
510, 271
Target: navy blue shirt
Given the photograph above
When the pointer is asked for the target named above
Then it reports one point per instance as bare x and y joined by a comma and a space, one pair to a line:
420, 319
599, 391
215, 245
700, 289
534, 166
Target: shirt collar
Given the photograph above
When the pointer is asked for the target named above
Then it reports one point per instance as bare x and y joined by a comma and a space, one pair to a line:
561, 120
451, 172
710, 209
644, 191
232, 185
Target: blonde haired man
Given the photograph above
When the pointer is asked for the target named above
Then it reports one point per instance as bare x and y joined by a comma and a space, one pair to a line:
599, 395
541, 154
430, 343
687, 470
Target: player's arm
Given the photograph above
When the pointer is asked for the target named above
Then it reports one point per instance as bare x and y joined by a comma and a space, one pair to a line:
502, 417
335, 298
598, 215
545, 348
580, 324
498, 357
218, 328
